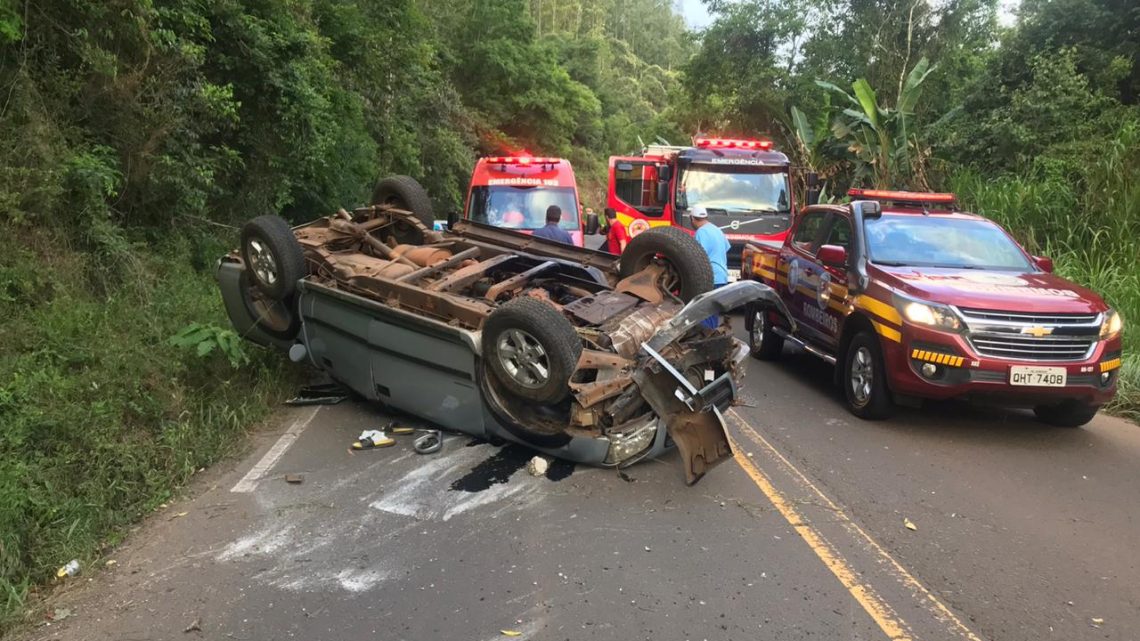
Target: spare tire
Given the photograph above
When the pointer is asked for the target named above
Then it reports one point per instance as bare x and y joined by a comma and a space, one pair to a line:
272, 256
275, 318
689, 272
531, 349
406, 193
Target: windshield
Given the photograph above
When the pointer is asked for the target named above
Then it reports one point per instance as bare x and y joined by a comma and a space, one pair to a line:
522, 207
925, 241
734, 189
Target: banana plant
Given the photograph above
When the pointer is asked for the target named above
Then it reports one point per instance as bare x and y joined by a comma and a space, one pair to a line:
880, 137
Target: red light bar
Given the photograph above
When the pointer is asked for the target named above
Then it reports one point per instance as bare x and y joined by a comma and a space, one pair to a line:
902, 196
521, 160
732, 143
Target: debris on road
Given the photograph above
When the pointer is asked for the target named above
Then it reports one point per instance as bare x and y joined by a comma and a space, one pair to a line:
71, 569
511, 633
403, 430
909, 525
538, 466
195, 626
429, 443
111, 562
324, 394
1097, 622
178, 516
369, 439
295, 479
60, 614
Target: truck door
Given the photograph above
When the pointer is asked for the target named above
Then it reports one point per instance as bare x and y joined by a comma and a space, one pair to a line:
797, 272
831, 281
633, 192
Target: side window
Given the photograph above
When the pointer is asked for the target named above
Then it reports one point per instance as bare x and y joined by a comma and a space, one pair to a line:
808, 231
635, 184
840, 233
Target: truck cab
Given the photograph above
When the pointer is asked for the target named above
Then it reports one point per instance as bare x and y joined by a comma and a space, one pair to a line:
911, 298
513, 192
744, 185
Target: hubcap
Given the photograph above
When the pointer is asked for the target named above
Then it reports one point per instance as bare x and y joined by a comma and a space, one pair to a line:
262, 262
524, 359
862, 374
757, 333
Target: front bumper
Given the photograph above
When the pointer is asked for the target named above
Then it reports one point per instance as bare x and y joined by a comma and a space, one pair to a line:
960, 371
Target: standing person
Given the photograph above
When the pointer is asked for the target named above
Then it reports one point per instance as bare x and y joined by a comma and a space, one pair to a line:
716, 245
552, 231
616, 235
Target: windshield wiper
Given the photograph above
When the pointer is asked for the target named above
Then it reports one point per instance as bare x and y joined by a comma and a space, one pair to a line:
892, 263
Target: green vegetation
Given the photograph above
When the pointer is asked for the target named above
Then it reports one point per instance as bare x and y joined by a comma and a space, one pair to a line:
136, 131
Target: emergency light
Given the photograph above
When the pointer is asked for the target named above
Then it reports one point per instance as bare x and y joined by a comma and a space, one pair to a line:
731, 143
902, 196
521, 160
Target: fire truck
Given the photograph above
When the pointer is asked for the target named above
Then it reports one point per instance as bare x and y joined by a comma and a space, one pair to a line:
743, 184
513, 192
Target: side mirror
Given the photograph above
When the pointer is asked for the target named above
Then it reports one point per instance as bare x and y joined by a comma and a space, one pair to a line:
662, 191
591, 224
664, 172
832, 255
452, 218
1044, 264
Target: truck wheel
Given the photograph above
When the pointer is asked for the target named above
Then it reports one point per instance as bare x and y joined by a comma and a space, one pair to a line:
1068, 413
865, 378
406, 193
275, 318
764, 344
688, 270
272, 256
531, 349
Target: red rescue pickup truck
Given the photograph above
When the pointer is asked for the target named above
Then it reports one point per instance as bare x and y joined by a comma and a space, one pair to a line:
913, 299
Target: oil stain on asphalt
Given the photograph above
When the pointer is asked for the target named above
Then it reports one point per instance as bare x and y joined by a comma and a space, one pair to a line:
499, 467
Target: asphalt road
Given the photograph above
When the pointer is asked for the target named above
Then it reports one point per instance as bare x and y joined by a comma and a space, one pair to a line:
1021, 532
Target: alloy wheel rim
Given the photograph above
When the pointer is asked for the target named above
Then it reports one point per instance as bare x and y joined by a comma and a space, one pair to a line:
757, 333
523, 358
862, 375
262, 262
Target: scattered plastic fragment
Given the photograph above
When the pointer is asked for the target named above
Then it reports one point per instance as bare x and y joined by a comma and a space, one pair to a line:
327, 394
71, 569
60, 614
369, 439
195, 626
538, 466
1097, 621
179, 515
511, 633
294, 478
402, 429
909, 525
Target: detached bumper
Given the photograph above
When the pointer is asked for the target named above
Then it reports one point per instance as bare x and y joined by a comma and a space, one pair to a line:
959, 371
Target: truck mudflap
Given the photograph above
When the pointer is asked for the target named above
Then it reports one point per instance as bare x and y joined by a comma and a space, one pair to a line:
693, 416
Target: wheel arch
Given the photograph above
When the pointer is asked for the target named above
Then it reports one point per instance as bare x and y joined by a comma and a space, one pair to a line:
855, 323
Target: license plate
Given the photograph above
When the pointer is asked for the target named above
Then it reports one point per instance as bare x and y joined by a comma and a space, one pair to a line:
733, 275
1037, 376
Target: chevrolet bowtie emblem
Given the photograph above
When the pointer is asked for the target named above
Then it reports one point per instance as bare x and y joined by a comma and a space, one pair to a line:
1037, 332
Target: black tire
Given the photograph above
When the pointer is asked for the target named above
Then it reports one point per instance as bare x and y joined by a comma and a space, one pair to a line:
873, 402
680, 251
548, 341
1070, 413
274, 318
272, 256
763, 343
405, 192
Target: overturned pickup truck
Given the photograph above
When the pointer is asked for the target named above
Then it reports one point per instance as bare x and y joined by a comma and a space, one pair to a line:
502, 335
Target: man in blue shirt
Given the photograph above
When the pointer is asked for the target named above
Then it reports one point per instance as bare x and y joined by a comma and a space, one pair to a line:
552, 231
716, 245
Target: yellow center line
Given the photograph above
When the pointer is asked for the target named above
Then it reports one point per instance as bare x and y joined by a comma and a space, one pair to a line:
882, 613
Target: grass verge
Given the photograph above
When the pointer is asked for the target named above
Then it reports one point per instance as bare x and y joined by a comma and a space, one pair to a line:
101, 419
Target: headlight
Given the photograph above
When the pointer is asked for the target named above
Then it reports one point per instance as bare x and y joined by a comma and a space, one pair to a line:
625, 446
936, 316
1112, 325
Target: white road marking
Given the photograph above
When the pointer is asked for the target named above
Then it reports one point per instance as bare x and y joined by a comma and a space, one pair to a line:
248, 483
